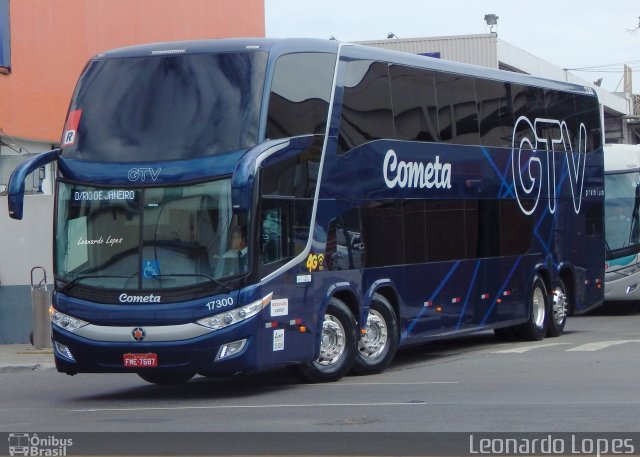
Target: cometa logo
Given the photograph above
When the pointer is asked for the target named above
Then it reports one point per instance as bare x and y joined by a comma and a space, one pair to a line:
124, 298
415, 175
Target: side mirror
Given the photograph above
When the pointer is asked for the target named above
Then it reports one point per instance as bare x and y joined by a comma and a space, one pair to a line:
16, 181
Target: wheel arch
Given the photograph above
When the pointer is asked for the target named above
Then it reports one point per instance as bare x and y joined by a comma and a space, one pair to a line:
387, 289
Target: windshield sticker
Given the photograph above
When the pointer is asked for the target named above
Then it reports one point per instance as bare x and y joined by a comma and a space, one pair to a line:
279, 307
71, 129
151, 269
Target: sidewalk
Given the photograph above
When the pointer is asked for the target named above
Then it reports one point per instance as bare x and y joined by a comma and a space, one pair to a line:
24, 357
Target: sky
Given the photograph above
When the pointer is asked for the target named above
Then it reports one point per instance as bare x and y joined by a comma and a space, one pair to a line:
567, 33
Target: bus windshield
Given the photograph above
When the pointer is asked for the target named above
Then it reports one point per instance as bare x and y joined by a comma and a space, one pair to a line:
170, 107
151, 238
621, 210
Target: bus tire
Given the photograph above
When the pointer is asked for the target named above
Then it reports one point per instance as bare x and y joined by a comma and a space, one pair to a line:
536, 326
166, 379
558, 306
338, 346
377, 348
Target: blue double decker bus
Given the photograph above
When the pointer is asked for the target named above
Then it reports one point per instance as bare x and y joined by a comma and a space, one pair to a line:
241, 205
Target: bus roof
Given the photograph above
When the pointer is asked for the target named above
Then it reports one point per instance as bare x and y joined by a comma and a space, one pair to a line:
292, 45
621, 157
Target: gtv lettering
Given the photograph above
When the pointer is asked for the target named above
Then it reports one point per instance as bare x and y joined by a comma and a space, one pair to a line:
415, 174
142, 174
528, 172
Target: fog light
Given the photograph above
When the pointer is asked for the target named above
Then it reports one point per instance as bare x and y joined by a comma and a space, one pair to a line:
631, 288
229, 349
64, 351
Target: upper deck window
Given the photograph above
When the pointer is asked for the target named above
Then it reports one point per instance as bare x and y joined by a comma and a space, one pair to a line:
165, 107
300, 93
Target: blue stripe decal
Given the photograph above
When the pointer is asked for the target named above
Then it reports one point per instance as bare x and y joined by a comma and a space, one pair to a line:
433, 296
509, 185
502, 176
466, 299
504, 285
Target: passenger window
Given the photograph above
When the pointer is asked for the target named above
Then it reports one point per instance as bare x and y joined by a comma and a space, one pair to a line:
495, 113
415, 111
366, 105
589, 114
300, 94
527, 102
457, 109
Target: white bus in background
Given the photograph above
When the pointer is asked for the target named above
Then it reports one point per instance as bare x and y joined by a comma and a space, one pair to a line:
622, 221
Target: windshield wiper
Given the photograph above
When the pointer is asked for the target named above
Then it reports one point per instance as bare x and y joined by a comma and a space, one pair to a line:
71, 284
193, 275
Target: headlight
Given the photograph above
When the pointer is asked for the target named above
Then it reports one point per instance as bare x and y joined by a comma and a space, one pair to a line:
65, 321
227, 318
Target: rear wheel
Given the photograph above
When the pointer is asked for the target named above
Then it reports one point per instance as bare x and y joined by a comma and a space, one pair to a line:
536, 326
166, 379
559, 305
337, 346
378, 346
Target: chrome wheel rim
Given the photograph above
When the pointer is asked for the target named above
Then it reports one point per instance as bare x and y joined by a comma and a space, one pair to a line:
559, 306
332, 341
373, 344
538, 307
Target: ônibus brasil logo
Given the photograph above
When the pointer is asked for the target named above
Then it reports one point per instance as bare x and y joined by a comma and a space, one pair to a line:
33, 445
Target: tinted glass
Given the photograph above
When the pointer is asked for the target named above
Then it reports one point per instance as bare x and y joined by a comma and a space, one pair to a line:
528, 102
166, 107
345, 249
495, 113
457, 109
287, 189
418, 231
588, 111
300, 93
414, 104
366, 105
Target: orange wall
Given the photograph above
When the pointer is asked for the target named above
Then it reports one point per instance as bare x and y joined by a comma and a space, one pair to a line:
51, 40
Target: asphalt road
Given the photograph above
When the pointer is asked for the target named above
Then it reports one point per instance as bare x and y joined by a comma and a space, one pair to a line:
585, 381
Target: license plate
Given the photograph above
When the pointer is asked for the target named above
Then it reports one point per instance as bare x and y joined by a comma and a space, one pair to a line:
148, 360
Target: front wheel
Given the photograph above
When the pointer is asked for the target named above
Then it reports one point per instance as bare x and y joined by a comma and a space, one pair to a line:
559, 305
337, 346
536, 326
378, 346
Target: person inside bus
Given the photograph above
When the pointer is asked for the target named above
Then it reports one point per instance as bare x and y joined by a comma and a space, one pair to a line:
235, 260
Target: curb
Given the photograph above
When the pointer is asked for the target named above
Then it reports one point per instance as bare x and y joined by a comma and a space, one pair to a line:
41, 367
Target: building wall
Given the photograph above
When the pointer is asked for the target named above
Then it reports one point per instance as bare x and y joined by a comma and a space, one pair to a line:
24, 244
471, 49
52, 40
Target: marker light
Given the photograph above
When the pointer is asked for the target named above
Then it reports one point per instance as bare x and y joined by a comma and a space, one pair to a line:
222, 320
64, 321
64, 351
229, 349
